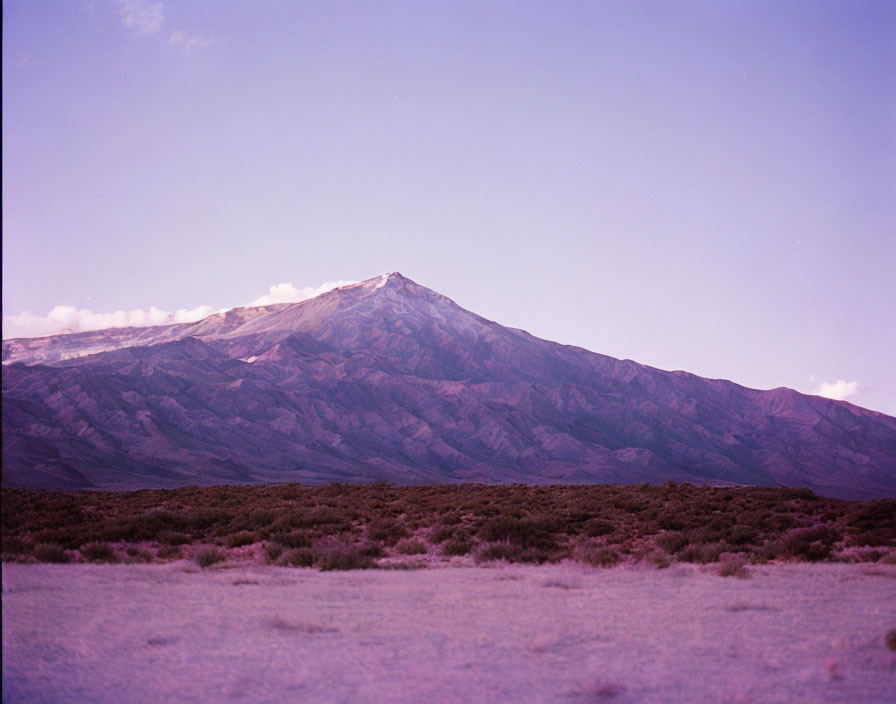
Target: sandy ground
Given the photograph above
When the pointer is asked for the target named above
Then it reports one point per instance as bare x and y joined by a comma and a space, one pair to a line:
560, 633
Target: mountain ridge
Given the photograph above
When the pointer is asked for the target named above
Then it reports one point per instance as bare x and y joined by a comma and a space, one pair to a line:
386, 379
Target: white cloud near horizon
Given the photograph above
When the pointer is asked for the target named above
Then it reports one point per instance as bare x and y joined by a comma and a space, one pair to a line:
67, 319
838, 390
287, 293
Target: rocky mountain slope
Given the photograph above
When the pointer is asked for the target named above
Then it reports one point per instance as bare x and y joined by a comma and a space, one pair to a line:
388, 380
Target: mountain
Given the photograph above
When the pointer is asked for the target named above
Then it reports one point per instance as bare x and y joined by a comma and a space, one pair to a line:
388, 380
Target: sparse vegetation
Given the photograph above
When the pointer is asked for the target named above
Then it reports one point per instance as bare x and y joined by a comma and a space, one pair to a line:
596, 555
50, 552
452, 548
386, 530
244, 537
733, 566
297, 557
135, 554
411, 547
98, 552
273, 551
169, 552
659, 558
341, 526
208, 556
338, 554
172, 537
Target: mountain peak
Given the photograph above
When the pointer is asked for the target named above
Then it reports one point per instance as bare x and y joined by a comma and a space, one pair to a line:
387, 379
391, 283
393, 278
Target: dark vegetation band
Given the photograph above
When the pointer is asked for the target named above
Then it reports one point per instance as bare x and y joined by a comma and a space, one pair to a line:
343, 526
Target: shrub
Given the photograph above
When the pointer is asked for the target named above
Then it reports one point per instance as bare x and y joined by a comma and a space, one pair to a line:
211, 517
672, 542
64, 537
371, 549
336, 554
387, 530
512, 552
524, 532
456, 547
490, 552
171, 537
242, 538
98, 552
301, 538
743, 535
733, 566
50, 552
771, 550
411, 547
812, 544
148, 525
451, 518
533, 517
597, 527
442, 533
703, 553
135, 554
14, 545
273, 551
596, 555
169, 552
259, 519
208, 556
297, 557
875, 538
889, 558
323, 515
659, 558
870, 513
866, 555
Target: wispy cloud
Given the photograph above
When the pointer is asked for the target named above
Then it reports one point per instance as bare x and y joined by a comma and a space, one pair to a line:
838, 390
189, 41
141, 16
64, 319
145, 18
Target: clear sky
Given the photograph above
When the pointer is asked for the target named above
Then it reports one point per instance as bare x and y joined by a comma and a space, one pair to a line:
708, 186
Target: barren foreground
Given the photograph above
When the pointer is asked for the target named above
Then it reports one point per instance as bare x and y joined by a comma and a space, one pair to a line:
564, 633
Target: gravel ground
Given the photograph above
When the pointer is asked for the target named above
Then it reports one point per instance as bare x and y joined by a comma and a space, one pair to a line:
555, 633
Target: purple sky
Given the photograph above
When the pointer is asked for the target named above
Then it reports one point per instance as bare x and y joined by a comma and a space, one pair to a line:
705, 186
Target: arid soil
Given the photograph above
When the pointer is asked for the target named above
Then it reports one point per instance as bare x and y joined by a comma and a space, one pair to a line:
521, 633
